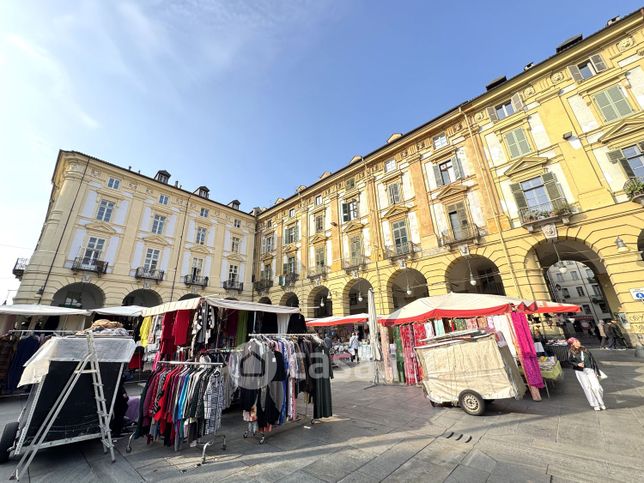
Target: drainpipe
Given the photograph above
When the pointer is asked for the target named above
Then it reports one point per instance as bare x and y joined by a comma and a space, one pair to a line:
488, 191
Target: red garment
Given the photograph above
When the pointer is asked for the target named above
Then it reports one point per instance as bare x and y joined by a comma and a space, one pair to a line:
181, 327
411, 371
167, 345
419, 335
137, 359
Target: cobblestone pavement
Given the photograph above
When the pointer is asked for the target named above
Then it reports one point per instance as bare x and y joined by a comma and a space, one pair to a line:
391, 433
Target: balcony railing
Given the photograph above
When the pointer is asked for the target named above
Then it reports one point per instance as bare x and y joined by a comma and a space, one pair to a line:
634, 188
289, 279
401, 250
555, 210
150, 274
233, 285
318, 271
354, 263
19, 267
195, 280
84, 264
263, 284
463, 234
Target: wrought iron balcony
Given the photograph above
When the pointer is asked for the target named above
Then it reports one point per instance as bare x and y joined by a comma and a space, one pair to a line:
150, 274
263, 284
318, 271
402, 250
634, 188
233, 285
555, 210
85, 264
464, 234
289, 279
19, 267
357, 262
195, 280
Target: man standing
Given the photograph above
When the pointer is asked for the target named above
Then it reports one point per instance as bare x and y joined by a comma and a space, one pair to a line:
601, 328
610, 334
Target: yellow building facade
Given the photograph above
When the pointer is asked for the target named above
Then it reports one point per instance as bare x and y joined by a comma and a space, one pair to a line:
544, 167
115, 237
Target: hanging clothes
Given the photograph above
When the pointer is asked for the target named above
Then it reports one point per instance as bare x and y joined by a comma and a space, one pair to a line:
419, 335
439, 326
400, 358
181, 327
527, 352
144, 331
411, 370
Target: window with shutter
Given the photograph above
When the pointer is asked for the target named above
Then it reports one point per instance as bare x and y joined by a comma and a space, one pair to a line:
504, 110
552, 187
517, 102
519, 197
576, 73
612, 103
491, 112
633, 162
394, 193
598, 63
458, 168
437, 175
517, 143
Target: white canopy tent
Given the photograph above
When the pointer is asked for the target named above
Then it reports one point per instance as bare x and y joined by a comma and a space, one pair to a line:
121, 311
30, 310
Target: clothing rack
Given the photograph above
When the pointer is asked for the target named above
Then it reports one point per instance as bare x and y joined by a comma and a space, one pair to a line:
252, 425
128, 448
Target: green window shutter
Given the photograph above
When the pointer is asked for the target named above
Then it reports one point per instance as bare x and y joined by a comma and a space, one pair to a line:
604, 105
345, 212
551, 186
458, 167
437, 175
615, 156
519, 197
491, 112
627, 168
574, 71
462, 213
598, 63
517, 103
621, 105
512, 144
522, 141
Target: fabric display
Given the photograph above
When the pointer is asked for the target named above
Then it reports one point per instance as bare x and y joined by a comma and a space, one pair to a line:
272, 371
182, 403
527, 353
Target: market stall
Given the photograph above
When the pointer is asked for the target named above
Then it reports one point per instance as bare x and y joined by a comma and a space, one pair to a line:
340, 328
435, 316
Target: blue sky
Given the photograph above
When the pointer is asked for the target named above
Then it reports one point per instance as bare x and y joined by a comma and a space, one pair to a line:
251, 98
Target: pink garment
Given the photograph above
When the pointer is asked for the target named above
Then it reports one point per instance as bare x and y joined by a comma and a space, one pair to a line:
407, 338
384, 342
527, 352
419, 334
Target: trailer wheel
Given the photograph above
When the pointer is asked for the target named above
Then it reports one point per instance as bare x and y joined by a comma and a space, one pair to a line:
7, 440
471, 403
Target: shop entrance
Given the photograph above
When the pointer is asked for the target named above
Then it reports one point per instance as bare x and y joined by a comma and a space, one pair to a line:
320, 303
474, 274
355, 294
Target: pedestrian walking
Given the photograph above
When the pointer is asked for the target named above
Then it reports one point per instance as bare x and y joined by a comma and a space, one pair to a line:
601, 329
587, 372
354, 345
619, 335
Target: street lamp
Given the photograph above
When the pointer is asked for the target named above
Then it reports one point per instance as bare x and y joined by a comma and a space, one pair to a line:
621, 245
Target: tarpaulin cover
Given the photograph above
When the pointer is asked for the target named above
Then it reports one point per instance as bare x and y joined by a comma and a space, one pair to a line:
188, 304
108, 349
453, 366
251, 306
43, 310
121, 311
466, 305
337, 320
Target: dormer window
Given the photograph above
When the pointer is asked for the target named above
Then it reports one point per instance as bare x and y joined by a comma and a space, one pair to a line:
588, 68
162, 176
203, 192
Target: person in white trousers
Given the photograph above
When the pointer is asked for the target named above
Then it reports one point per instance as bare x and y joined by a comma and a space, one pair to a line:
587, 372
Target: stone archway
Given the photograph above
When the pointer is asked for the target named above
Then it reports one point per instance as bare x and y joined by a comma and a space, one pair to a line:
640, 244
319, 303
474, 274
143, 297
79, 295
405, 286
189, 296
354, 296
265, 300
569, 263
289, 299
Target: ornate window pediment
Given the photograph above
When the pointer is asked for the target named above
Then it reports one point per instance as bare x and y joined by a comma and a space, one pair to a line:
623, 129
318, 238
156, 240
396, 210
525, 164
236, 257
290, 248
352, 226
200, 249
100, 226
267, 256
451, 190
